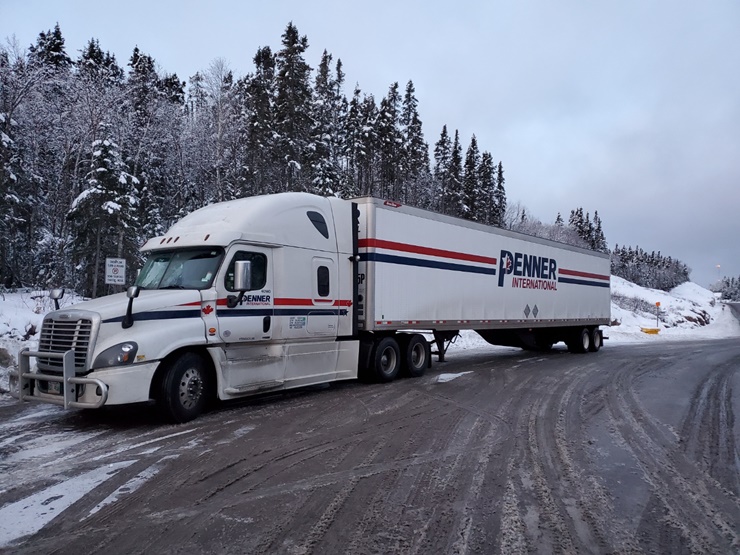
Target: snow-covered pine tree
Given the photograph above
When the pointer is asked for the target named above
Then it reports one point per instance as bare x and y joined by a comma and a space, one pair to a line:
500, 196
453, 192
103, 217
352, 146
368, 154
442, 157
390, 143
261, 157
52, 135
471, 201
326, 134
599, 240
292, 108
487, 179
415, 179
99, 67
17, 191
49, 50
152, 136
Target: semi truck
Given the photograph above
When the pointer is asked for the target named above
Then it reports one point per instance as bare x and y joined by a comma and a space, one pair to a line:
288, 290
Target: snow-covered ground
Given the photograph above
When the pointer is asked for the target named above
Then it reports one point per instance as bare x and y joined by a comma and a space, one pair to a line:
687, 312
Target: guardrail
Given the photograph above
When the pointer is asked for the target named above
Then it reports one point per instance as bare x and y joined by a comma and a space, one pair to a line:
67, 398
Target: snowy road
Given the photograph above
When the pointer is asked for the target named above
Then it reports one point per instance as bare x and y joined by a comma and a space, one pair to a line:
633, 449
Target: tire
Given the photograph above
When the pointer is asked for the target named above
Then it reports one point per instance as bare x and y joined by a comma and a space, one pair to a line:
386, 360
417, 354
580, 342
185, 388
596, 340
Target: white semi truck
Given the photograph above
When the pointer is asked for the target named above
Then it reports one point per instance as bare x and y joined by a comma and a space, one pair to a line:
288, 290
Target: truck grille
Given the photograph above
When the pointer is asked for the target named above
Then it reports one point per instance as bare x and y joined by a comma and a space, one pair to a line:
59, 336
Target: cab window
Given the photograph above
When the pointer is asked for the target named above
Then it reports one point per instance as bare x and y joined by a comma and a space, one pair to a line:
259, 269
187, 268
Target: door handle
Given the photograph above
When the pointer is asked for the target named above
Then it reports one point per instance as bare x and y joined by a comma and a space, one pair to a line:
266, 324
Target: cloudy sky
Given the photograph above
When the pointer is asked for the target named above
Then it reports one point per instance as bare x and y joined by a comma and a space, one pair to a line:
628, 107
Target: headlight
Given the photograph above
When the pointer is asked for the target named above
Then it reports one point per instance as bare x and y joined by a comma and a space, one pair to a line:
118, 355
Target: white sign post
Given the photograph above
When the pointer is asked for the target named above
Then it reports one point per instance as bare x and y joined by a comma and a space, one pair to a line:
115, 271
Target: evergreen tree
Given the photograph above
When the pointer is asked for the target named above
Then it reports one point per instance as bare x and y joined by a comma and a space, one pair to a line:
500, 196
487, 179
49, 50
98, 66
328, 113
453, 193
442, 157
17, 201
390, 143
369, 114
415, 149
292, 108
261, 122
352, 146
471, 198
103, 216
599, 241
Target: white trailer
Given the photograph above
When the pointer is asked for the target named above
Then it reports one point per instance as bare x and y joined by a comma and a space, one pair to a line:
281, 291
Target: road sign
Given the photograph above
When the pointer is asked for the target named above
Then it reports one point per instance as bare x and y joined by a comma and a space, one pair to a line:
115, 271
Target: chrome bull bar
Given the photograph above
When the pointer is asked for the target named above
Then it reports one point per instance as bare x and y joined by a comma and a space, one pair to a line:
26, 382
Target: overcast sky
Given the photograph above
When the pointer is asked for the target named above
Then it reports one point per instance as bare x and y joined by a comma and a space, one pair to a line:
628, 107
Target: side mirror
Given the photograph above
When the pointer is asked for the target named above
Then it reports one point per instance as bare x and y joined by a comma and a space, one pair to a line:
128, 319
55, 295
243, 275
242, 282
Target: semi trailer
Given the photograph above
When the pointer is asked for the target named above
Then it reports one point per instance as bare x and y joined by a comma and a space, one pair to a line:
287, 290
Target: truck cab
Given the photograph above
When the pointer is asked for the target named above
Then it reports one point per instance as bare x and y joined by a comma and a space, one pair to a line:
185, 334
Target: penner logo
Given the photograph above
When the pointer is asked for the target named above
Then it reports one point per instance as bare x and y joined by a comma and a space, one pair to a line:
530, 271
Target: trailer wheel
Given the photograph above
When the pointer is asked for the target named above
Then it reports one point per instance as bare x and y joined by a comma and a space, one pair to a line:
386, 359
596, 340
185, 388
417, 355
580, 342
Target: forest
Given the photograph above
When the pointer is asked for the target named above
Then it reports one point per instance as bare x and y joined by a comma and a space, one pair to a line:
729, 287
96, 158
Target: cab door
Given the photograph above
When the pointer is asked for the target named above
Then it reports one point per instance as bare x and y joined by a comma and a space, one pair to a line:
245, 328
312, 355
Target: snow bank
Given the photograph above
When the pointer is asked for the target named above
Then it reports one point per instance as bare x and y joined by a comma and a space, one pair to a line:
687, 312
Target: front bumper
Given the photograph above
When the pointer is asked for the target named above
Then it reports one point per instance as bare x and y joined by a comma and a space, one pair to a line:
111, 386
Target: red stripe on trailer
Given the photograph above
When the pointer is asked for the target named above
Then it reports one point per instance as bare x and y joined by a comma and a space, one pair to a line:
576, 273
416, 249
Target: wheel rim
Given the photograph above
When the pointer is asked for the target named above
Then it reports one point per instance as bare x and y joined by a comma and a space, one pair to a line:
585, 340
388, 360
418, 354
597, 340
191, 388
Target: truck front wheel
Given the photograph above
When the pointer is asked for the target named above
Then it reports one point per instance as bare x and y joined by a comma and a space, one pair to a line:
185, 388
386, 359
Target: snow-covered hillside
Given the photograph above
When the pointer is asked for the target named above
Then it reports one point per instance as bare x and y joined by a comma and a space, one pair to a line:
687, 312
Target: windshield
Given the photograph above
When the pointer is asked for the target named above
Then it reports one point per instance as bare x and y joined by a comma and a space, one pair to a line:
192, 268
